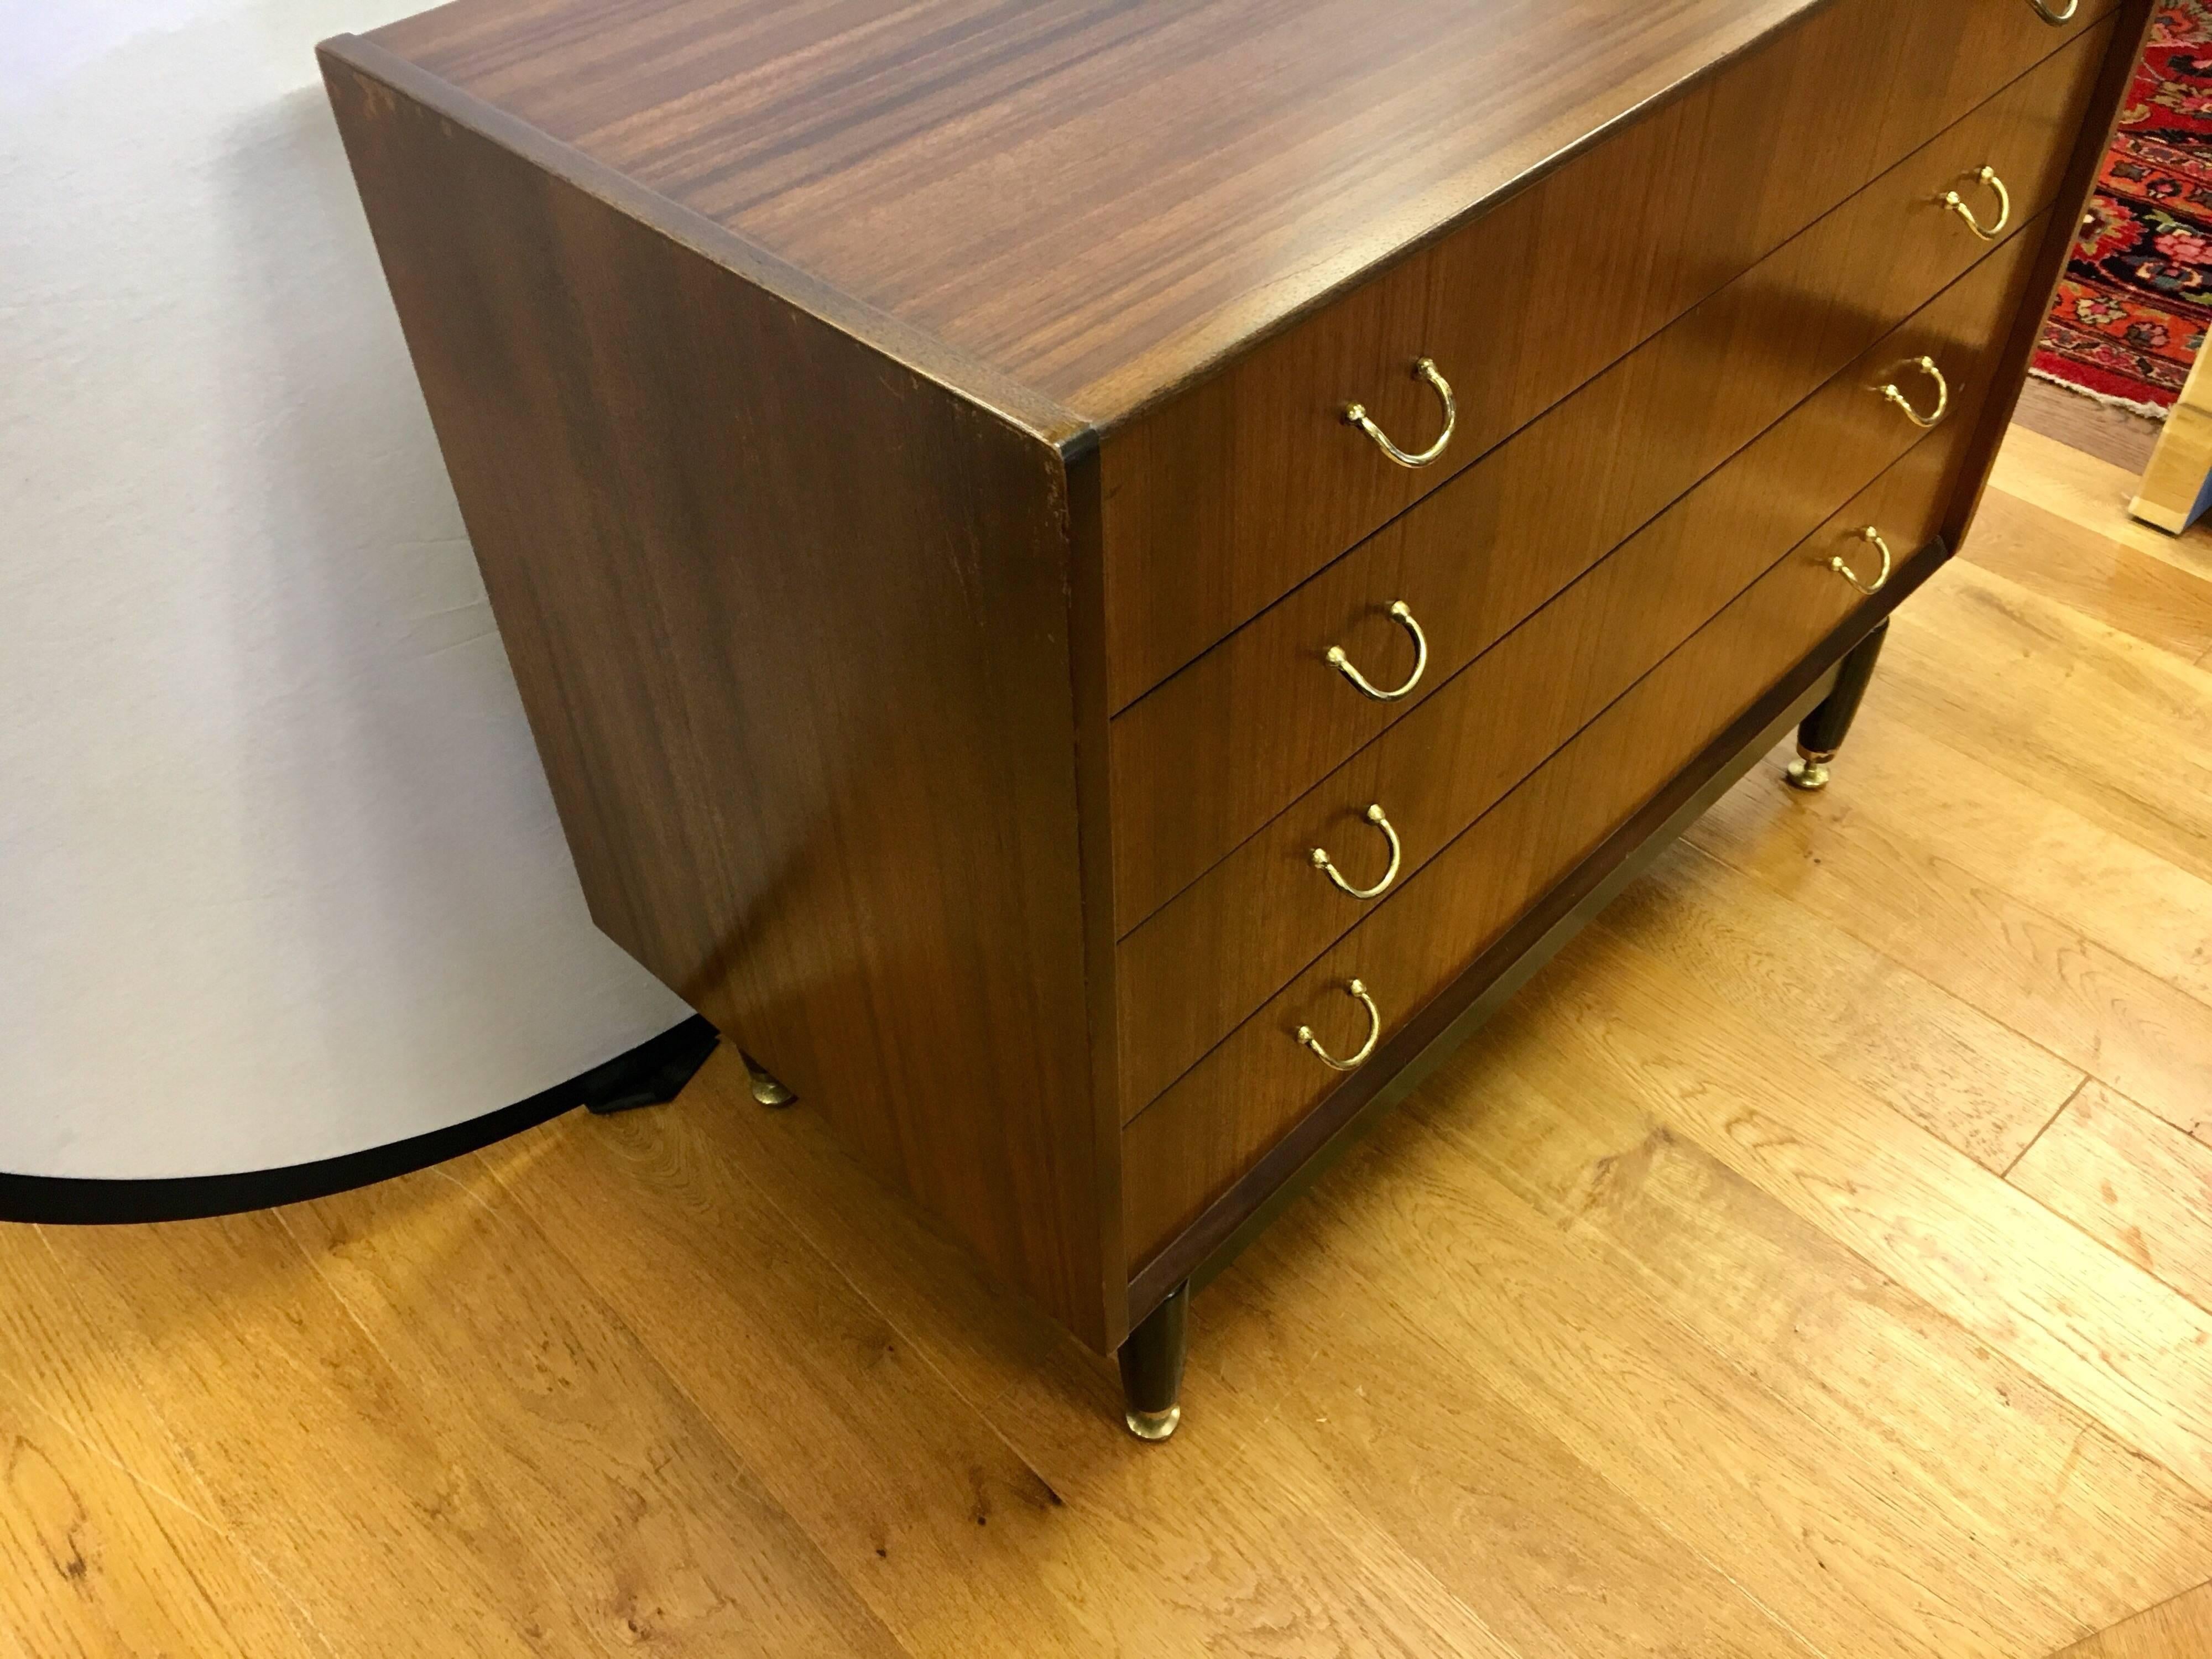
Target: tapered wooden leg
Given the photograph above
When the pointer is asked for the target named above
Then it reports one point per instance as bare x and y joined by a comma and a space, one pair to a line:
1823, 731
1151, 1368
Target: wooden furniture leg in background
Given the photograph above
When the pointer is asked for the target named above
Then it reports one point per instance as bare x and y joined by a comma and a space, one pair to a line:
1824, 729
1152, 1367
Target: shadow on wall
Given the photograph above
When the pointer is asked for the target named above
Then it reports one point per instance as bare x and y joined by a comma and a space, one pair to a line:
281, 876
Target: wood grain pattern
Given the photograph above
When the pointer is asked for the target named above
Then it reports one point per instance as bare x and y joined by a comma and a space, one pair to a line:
1935, 1057
2180, 1629
2137, 1184
1638, 1396
1870, 1367
2083, 488
778, 684
1264, 911
1098, 197
2083, 1000
561, 1515
1223, 500
2119, 1344
834, 413
114, 1545
2085, 427
2089, 719
1208, 756
1192, 1144
942, 1522
2157, 600
1451, 1403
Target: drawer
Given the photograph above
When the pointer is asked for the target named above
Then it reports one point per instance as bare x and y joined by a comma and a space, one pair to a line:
1221, 500
1264, 912
1207, 757
1192, 1144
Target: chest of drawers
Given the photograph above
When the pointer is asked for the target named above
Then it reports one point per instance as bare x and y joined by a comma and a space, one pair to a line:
1096, 581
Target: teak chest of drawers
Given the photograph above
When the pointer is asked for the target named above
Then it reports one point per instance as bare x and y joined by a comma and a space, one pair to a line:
1096, 579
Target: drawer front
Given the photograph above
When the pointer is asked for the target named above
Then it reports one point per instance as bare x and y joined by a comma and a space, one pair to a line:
1264, 912
1220, 500
1206, 758
1192, 1144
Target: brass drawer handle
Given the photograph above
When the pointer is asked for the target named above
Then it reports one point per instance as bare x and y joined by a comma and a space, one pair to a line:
1837, 564
2057, 20
1403, 614
1322, 861
1356, 415
1957, 202
1374, 1034
1926, 366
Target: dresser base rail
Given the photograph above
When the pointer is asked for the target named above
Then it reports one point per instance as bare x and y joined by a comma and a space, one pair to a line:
1210, 1242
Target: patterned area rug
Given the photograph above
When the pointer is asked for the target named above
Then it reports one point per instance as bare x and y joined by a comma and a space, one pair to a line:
2132, 308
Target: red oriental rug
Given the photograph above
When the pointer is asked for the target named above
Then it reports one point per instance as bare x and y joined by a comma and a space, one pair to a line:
2132, 308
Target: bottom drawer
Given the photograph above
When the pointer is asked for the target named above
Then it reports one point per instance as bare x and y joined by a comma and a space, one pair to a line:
1195, 1141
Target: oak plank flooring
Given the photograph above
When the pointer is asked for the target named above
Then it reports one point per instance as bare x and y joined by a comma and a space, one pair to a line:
2119, 730
1688, 1311
2089, 489
2123, 1346
1963, 1075
2154, 600
113, 1542
2180, 1629
1946, 910
2094, 430
2136, 905
940, 1519
1820, 1329
2136, 1184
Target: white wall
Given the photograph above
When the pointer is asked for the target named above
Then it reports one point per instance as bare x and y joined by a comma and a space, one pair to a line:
279, 875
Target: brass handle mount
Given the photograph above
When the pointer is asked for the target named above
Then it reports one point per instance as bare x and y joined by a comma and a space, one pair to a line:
1402, 614
1324, 863
1358, 991
1926, 366
1424, 369
1874, 536
1957, 204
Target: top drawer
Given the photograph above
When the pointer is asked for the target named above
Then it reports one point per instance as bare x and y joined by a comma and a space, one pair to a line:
1218, 503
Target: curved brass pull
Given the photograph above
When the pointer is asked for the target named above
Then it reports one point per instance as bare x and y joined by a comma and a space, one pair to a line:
1322, 861
1957, 202
1342, 664
1374, 1034
2057, 20
1356, 415
1837, 564
1926, 366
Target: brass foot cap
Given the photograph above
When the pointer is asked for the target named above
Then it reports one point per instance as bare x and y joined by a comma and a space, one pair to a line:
766, 1089
1806, 775
1153, 1426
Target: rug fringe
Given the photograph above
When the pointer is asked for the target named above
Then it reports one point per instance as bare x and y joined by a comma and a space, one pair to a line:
2149, 411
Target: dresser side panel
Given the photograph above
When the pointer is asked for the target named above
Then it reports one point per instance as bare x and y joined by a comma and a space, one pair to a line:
791, 624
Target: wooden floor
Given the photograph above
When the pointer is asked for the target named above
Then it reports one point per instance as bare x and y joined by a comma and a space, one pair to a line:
2115, 434
1816, 1260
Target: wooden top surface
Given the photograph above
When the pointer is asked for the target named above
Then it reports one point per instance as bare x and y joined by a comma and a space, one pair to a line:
1091, 199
